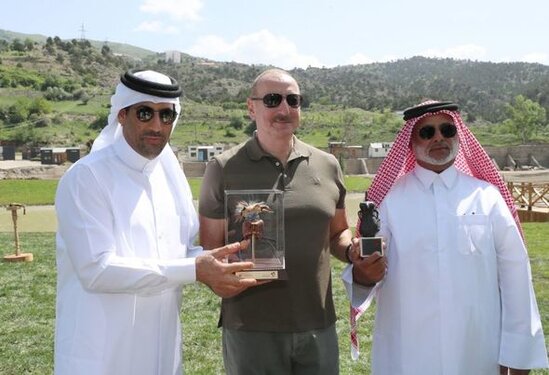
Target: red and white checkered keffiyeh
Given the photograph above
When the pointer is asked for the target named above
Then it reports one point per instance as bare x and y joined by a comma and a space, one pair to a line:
471, 159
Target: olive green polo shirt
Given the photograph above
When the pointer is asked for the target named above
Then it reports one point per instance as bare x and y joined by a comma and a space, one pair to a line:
313, 188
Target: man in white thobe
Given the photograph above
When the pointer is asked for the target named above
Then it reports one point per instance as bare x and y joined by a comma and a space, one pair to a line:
125, 242
457, 297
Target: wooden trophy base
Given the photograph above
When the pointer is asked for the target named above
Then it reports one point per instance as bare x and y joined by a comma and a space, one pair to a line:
23, 257
265, 269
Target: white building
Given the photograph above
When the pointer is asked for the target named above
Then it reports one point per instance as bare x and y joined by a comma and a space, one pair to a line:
204, 153
379, 149
173, 57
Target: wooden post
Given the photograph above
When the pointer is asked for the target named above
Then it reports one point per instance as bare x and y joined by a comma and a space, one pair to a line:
18, 256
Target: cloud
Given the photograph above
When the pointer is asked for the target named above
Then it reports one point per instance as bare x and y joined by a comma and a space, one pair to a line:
178, 9
156, 27
262, 47
463, 52
536, 57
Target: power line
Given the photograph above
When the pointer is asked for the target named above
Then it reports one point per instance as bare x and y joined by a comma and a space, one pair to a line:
82, 32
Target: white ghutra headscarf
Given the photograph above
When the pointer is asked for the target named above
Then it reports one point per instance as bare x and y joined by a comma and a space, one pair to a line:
150, 86
124, 97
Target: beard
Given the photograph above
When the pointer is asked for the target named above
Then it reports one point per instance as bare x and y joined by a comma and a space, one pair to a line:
422, 153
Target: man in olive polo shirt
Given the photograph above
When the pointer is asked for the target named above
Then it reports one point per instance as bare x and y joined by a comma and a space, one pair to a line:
283, 326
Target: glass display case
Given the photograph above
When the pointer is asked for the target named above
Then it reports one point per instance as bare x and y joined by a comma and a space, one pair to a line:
257, 216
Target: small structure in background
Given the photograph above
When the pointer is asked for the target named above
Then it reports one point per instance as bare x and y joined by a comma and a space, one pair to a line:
7, 152
341, 150
204, 153
30, 153
379, 149
59, 155
73, 154
173, 57
18, 256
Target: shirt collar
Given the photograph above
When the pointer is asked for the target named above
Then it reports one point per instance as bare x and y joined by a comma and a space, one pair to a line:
427, 177
132, 159
255, 152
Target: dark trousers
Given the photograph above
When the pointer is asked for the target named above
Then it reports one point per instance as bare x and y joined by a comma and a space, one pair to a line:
264, 353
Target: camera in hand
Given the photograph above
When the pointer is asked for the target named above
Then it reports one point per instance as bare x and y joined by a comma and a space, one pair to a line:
368, 228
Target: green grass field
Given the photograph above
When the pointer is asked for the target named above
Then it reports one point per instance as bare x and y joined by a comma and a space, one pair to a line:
27, 310
42, 192
27, 293
28, 192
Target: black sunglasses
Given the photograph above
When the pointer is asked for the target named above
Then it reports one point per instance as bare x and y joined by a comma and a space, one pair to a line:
447, 130
145, 114
273, 100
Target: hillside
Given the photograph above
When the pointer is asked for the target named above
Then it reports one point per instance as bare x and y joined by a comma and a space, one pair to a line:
481, 88
356, 104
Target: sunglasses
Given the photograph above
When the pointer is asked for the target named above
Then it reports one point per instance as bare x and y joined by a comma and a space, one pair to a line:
145, 114
447, 130
273, 100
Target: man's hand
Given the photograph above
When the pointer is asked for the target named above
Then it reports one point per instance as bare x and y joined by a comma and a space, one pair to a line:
369, 270
220, 276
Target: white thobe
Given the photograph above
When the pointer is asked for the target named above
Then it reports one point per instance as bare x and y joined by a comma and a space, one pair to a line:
457, 298
124, 250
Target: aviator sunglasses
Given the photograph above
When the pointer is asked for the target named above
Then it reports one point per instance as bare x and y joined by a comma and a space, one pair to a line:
145, 114
447, 130
273, 100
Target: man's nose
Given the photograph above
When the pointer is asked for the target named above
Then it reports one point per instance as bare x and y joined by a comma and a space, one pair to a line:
155, 123
438, 134
284, 107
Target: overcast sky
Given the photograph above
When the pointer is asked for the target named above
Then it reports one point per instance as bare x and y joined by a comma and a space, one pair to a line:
294, 33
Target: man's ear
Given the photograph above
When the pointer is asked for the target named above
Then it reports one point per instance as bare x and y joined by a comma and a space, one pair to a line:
122, 115
251, 109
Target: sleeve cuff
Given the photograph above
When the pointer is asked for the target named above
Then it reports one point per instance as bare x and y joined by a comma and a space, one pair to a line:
181, 271
523, 351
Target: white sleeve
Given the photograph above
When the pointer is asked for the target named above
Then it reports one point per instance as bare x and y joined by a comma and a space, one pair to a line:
522, 339
86, 241
357, 294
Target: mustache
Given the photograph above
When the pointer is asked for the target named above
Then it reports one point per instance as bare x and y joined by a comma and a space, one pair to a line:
152, 134
282, 118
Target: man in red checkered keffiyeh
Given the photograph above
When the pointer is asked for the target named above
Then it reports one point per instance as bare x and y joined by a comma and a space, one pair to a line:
457, 297
471, 158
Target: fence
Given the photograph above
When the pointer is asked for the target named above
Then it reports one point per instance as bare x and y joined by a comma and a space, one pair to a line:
532, 200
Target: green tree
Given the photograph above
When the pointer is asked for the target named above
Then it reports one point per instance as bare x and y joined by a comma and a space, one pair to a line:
29, 44
525, 118
349, 120
19, 111
100, 121
39, 106
4, 45
236, 122
17, 45
106, 50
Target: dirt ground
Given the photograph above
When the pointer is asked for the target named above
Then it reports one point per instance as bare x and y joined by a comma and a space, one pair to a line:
27, 169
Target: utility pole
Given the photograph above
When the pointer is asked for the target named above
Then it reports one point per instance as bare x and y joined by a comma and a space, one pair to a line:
82, 32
